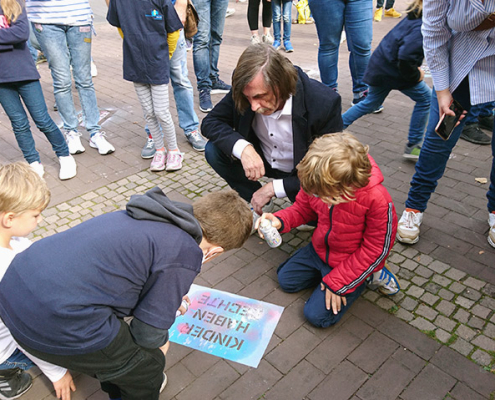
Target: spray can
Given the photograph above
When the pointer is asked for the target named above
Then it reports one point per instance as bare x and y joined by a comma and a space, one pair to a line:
270, 233
184, 304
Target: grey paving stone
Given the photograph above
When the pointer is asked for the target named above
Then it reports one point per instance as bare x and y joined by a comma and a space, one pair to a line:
424, 272
429, 299
476, 323
409, 303
480, 311
463, 302
443, 336
445, 307
438, 266
472, 294
489, 330
474, 283
462, 316
481, 357
418, 280
404, 315
427, 312
441, 280
385, 303
461, 346
431, 383
424, 259
445, 294
461, 391
409, 252
415, 291
484, 342
457, 287
409, 265
455, 274
373, 352
445, 323
422, 324
432, 288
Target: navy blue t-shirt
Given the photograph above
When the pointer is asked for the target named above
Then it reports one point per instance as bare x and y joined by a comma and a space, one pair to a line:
145, 25
65, 293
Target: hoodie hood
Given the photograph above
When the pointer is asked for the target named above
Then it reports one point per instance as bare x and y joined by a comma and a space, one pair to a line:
154, 205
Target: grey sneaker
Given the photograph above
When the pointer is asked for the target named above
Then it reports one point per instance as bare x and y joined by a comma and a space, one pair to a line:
148, 150
197, 141
14, 383
491, 233
412, 152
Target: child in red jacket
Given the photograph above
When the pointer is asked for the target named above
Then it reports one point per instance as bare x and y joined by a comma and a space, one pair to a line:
341, 188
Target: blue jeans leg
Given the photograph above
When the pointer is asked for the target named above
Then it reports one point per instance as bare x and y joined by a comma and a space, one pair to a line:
491, 191
17, 360
277, 18
435, 152
183, 90
231, 171
67, 46
304, 270
218, 10
375, 98
287, 19
479, 110
421, 94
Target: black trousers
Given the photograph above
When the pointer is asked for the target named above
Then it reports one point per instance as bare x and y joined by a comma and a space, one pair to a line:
123, 368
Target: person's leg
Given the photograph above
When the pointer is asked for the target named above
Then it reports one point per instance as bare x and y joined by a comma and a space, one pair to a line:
183, 91
253, 15
218, 10
53, 40
14, 382
389, 4
17, 360
379, 3
375, 98
79, 42
231, 171
201, 45
145, 97
421, 94
286, 17
359, 32
277, 17
11, 103
32, 96
161, 108
266, 16
491, 191
329, 37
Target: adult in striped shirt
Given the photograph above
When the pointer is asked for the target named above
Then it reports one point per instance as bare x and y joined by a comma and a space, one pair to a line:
63, 29
459, 44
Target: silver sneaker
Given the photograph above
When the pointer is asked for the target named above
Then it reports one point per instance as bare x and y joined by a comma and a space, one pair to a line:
148, 150
197, 141
73, 139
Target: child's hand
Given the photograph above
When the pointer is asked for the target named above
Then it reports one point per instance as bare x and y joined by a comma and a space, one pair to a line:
273, 219
333, 301
183, 307
64, 386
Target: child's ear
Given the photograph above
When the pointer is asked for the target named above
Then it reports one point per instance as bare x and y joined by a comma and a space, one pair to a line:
6, 219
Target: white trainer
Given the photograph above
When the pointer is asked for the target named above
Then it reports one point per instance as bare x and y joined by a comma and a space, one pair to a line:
73, 139
38, 168
408, 229
491, 233
98, 141
68, 167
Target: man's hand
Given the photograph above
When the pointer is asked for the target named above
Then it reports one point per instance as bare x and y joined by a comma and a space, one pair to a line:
261, 197
63, 386
252, 164
444, 101
333, 301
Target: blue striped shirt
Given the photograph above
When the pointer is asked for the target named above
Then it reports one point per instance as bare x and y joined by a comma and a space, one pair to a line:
453, 50
59, 12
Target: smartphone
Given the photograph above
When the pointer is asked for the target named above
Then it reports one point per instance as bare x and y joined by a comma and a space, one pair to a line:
447, 123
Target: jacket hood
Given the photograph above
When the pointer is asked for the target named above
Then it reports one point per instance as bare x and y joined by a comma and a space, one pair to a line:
154, 205
376, 177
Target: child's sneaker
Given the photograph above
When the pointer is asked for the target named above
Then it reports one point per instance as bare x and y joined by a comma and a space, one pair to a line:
385, 281
378, 14
68, 167
408, 229
412, 151
158, 163
99, 142
392, 13
174, 160
268, 38
38, 168
73, 139
14, 383
491, 233
276, 44
288, 47
197, 141
148, 150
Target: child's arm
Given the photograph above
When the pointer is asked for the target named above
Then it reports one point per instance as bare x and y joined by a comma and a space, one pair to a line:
172, 39
299, 213
18, 32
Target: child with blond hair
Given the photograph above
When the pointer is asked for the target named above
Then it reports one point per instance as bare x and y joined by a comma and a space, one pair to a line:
341, 188
23, 196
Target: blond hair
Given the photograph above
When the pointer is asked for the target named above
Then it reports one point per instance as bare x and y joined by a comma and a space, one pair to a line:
11, 10
22, 189
334, 167
225, 218
416, 7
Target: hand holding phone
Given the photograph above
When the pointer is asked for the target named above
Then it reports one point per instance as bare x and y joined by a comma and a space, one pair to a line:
447, 123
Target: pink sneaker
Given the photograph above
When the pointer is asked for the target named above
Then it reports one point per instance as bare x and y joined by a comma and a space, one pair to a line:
174, 160
158, 163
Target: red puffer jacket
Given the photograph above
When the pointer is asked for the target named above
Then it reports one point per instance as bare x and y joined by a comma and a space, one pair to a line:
353, 238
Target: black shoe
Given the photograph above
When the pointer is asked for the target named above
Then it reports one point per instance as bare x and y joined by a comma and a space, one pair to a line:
14, 383
472, 133
218, 86
486, 122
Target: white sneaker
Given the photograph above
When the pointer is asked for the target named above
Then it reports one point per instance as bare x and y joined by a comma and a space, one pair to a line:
255, 39
94, 70
230, 11
68, 168
491, 233
73, 139
164, 383
99, 142
408, 229
268, 38
38, 168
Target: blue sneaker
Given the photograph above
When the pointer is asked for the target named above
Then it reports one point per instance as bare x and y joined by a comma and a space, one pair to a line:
276, 44
205, 104
288, 47
385, 281
218, 86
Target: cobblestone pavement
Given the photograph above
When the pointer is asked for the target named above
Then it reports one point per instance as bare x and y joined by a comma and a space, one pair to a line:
433, 340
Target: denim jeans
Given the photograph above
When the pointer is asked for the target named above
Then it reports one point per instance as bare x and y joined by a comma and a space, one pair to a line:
305, 269
183, 91
65, 46
420, 93
31, 94
435, 153
282, 10
330, 18
17, 360
479, 110
206, 43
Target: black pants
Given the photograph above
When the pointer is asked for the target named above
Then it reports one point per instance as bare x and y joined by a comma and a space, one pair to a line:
253, 13
123, 368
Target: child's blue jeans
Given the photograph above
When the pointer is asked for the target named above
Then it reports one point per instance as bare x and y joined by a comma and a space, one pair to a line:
17, 360
282, 10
